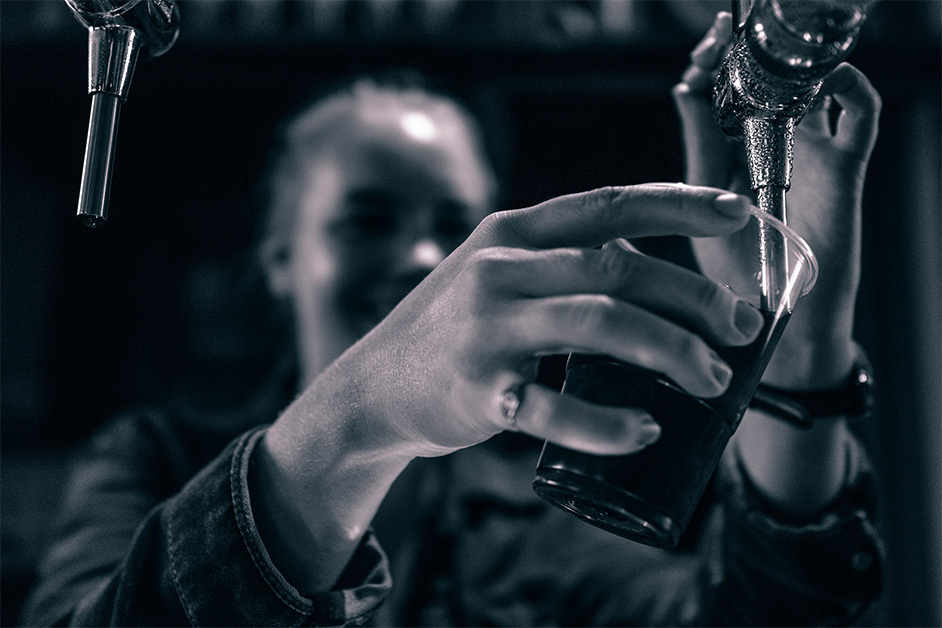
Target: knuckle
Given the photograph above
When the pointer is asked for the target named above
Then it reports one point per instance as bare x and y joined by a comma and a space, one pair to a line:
876, 100
490, 263
485, 275
691, 347
497, 225
680, 92
596, 311
494, 218
601, 202
620, 267
708, 295
474, 341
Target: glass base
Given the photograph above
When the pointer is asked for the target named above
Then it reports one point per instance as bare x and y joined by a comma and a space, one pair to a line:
607, 507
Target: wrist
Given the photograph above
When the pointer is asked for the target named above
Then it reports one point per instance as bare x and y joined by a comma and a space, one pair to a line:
813, 365
853, 398
318, 478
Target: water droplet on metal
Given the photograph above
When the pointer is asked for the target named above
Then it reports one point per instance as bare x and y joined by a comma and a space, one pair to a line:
90, 220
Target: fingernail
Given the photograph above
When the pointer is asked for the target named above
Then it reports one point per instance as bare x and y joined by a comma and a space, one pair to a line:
821, 101
840, 80
648, 432
732, 205
747, 319
723, 25
721, 372
689, 74
705, 53
697, 79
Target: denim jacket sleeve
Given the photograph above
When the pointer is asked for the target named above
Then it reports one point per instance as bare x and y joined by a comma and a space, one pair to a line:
197, 560
519, 563
823, 571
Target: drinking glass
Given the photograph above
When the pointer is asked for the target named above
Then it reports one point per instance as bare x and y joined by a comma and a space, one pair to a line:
649, 496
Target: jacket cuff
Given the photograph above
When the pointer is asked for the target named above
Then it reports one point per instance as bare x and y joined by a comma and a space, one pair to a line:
223, 573
832, 561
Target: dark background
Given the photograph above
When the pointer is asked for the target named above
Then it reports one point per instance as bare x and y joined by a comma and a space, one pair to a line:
576, 95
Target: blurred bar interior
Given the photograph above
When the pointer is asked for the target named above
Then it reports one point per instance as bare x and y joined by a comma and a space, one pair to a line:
575, 90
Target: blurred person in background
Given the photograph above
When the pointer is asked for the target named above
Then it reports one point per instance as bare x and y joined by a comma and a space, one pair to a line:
388, 487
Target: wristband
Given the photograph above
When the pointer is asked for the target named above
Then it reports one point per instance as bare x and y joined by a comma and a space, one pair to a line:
853, 400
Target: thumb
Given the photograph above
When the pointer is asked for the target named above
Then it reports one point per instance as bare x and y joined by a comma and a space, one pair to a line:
705, 146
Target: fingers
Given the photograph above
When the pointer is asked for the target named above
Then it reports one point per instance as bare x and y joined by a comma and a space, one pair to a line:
707, 56
818, 118
860, 107
667, 290
702, 138
593, 218
848, 92
601, 325
706, 154
583, 426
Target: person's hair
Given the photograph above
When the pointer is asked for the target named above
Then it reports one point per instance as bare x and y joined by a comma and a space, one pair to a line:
303, 135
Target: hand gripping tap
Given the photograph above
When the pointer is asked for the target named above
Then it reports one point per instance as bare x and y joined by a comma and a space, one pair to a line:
769, 79
117, 31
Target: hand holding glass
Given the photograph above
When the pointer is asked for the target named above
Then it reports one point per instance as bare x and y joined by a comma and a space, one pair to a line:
649, 496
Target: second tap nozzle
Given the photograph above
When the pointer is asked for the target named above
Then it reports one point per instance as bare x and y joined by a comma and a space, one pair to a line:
112, 55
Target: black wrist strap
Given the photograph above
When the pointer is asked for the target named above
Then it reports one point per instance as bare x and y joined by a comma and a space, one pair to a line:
853, 400
781, 407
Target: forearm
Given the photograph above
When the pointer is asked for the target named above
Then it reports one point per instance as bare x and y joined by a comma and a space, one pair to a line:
316, 482
197, 560
800, 472
821, 569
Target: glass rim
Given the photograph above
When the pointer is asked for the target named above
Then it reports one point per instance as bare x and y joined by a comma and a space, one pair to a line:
804, 249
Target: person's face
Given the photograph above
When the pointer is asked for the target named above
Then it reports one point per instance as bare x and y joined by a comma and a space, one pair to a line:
383, 204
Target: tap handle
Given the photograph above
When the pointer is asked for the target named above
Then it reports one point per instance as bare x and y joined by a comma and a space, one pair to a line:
158, 21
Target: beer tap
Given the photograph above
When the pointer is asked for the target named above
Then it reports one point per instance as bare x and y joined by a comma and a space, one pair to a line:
118, 30
767, 82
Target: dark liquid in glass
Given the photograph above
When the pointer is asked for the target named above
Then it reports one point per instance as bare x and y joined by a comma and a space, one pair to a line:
650, 496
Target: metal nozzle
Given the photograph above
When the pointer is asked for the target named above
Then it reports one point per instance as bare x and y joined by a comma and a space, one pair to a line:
117, 32
99, 159
112, 54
